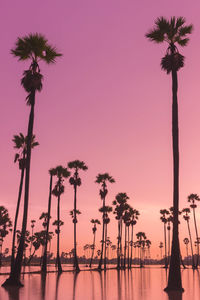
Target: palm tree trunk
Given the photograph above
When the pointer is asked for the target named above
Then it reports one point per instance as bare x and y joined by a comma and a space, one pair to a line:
125, 227
44, 262
168, 247
105, 247
102, 242
118, 246
58, 237
196, 231
174, 278
131, 246
190, 236
1, 245
16, 217
128, 259
165, 238
187, 250
14, 278
75, 219
93, 249
121, 244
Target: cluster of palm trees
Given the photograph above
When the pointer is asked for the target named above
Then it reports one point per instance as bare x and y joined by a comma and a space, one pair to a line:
35, 48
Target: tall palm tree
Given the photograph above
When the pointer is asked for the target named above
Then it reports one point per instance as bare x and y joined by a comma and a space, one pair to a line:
5, 225
127, 222
186, 217
58, 190
35, 48
192, 198
52, 172
173, 32
120, 204
20, 143
75, 180
164, 213
103, 179
94, 229
31, 238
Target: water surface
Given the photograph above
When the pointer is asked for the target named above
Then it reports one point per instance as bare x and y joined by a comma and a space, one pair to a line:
135, 284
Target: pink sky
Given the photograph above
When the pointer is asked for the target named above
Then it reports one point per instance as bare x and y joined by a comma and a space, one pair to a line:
107, 102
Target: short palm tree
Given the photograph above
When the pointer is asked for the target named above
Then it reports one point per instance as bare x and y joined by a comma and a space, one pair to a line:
34, 48
20, 143
75, 180
95, 222
161, 247
164, 213
120, 204
58, 190
173, 32
103, 179
193, 198
134, 217
141, 236
186, 242
5, 225
186, 217
52, 172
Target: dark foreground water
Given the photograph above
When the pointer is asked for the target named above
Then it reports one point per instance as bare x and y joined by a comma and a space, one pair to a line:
135, 284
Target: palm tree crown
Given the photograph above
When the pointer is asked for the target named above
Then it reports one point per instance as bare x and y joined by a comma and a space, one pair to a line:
173, 32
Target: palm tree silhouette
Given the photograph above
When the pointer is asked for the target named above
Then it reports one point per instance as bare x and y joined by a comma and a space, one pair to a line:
192, 198
52, 172
58, 190
103, 179
141, 236
20, 143
161, 246
173, 32
75, 180
134, 217
127, 222
33, 47
186, 242
5, 225
120, 204
94, 229
186, 217
164, 213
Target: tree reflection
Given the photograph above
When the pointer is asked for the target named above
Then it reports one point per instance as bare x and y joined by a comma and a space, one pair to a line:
74, 286
176, 295
43, 285
13, 292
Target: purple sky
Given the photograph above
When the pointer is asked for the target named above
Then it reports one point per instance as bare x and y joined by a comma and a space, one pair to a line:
107, 102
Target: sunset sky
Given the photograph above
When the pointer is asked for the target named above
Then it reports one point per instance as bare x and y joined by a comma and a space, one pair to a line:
106, 102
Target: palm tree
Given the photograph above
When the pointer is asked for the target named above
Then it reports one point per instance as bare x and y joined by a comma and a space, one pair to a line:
120, 204
169, 221
20, 143
164, 213
186, 242
192, 198
5, 225
33, 47
134, 217
103, 179
141, 236
58, 190
75, 180
161, 246
173, 32
94, 229
186, 217
127, 222
52, 172
31, 238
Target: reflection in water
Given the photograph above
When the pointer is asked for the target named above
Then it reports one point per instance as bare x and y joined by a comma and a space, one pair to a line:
135, 284
43, 285
175, 295
13, 293
74, 286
